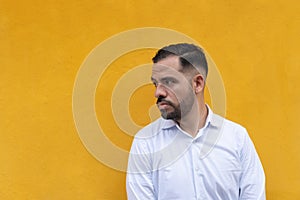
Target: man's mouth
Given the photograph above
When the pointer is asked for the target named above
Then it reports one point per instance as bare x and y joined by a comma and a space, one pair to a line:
163, 104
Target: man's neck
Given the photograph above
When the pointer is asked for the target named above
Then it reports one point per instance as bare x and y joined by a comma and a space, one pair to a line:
195, 120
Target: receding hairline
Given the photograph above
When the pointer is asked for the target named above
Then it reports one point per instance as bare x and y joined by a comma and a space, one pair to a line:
191, 70
191, 57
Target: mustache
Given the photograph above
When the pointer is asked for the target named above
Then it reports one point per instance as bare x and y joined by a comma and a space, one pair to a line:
162, 99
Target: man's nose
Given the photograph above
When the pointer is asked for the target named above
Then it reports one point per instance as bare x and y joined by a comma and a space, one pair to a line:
160, 91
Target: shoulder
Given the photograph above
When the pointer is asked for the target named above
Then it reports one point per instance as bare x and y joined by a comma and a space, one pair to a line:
227, 125
152, 135
154, 128
148, 137
230, 132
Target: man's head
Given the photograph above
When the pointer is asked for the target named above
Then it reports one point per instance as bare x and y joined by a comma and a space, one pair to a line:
191, 57
179, 74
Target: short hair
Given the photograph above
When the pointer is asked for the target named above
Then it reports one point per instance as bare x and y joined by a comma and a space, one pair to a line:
190, 56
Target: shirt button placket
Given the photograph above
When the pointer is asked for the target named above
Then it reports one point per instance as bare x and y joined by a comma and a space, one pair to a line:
198, 169
195, 168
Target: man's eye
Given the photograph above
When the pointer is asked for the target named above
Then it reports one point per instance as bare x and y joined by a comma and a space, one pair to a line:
168, 82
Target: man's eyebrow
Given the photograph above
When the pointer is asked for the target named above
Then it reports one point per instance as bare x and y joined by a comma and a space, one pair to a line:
168, 78
163, 79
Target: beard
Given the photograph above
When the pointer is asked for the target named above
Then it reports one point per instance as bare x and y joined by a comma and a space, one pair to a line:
179, 111
174, 115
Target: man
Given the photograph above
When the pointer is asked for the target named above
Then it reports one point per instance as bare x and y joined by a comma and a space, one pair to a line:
190, 152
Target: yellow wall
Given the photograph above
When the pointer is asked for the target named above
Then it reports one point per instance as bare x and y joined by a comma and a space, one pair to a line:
255, 45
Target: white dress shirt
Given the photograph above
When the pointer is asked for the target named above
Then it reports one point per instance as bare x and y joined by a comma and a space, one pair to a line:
220, 163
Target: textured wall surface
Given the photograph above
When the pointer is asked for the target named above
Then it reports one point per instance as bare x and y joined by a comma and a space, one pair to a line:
255, 45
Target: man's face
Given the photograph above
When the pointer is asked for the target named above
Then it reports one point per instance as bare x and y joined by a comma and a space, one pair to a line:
174, 93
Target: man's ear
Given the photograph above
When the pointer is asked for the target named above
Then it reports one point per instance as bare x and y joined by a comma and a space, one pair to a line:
198, 83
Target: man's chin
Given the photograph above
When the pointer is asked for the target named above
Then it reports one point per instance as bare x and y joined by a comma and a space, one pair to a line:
164, 114
169, 115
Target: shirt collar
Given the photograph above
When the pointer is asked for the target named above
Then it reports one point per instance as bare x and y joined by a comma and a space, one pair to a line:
213, 119
167, 123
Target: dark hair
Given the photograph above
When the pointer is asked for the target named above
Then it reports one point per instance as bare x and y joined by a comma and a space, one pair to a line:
190, 56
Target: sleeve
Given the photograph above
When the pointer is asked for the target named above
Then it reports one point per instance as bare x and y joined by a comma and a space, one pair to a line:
139, 184
252, 180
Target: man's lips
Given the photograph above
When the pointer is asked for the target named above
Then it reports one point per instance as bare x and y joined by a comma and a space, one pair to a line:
163, 104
